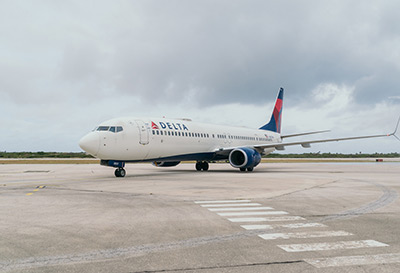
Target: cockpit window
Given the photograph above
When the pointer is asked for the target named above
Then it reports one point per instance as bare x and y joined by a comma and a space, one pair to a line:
103, 128
114, 129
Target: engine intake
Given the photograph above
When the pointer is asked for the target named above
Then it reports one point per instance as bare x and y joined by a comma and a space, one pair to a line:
165, 164
244, 158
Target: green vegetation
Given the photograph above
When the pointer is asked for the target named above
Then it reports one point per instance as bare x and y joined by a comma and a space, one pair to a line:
273, 155
43, 155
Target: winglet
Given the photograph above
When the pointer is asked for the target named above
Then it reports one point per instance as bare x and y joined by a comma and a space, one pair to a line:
275, 122
395, 130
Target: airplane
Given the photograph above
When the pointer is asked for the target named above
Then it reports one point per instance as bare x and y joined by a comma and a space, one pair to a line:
168, 142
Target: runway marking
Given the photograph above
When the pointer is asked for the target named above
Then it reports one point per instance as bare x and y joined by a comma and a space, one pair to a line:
303, 225
304, 235
251, 213
229, 208
222, 201
232, 205
390, 258
289, 226
35, 190
240, 209
331, 246
267, 219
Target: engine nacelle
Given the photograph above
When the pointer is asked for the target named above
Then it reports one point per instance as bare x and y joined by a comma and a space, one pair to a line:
244, 158
165, 164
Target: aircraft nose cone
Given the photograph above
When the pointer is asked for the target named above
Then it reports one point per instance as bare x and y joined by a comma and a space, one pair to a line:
90, 143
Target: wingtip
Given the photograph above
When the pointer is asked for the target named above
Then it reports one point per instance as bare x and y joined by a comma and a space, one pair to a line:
395, 130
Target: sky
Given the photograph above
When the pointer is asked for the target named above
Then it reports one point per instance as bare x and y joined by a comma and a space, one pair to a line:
66, 66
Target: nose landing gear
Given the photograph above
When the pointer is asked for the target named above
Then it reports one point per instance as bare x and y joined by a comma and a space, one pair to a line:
120, 172
202, 165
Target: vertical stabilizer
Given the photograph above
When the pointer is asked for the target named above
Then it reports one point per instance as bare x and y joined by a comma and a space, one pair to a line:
274, 124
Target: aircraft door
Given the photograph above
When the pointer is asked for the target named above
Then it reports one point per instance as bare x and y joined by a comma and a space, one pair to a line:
143, 132
229, 138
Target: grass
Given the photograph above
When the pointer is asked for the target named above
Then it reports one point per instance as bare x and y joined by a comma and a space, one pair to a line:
264, 160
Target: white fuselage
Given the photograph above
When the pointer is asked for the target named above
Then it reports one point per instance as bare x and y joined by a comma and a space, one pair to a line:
155, 139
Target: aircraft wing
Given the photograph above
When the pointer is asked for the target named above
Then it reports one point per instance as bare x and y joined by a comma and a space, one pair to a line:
307, 143
303, 134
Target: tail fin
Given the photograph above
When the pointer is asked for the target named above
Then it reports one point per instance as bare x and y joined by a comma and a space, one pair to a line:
275, 122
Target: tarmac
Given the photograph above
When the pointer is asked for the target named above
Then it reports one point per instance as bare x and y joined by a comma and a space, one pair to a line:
283, 217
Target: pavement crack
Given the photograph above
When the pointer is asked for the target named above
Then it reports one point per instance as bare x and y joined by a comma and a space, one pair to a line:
389, 195
118, 253
305, 189
219, 267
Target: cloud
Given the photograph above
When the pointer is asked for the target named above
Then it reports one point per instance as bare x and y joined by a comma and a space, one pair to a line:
76, 63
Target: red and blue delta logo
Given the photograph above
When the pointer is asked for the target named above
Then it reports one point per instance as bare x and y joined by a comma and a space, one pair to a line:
154, 126
169, 125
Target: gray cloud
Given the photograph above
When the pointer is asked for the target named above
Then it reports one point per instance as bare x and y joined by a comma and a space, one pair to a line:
85, 61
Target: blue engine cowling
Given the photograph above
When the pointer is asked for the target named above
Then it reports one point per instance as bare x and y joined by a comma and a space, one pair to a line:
244, 158
165, 164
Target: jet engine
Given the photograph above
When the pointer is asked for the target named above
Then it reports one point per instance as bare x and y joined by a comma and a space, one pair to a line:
244, 158
165, 164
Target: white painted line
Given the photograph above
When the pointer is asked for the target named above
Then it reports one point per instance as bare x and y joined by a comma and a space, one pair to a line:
232, 205
252, 213
390, 258
288, 226
254, 227
302, 225
303, 235
240, 209
331, 246
222, 201
255, 219
267, 219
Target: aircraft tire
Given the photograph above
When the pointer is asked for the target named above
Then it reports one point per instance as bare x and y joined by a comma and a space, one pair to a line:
198, 166
242, 169
120, 172
205, 166
250, 169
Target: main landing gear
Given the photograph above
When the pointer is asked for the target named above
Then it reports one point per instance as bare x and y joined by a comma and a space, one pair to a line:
120, 172
202, 165
248, 169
